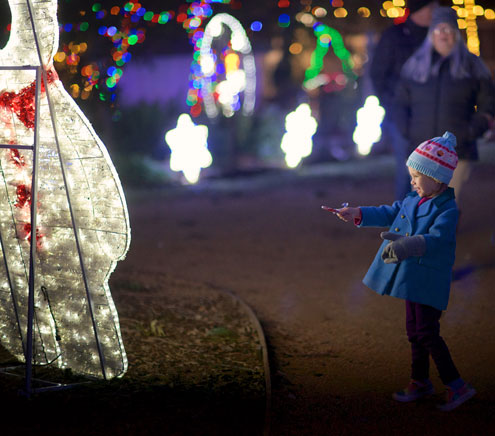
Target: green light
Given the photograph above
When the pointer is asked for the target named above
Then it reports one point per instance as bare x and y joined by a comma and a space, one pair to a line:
128, 7
148, 16
84, 26
96, 7
120, 62
133, 39
164, 17
323, 31
111, 82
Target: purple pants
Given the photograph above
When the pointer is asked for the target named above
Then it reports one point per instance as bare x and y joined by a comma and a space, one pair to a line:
423, 332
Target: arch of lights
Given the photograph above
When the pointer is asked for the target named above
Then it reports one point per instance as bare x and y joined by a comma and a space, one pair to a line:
238, 69
63, 216
326, 36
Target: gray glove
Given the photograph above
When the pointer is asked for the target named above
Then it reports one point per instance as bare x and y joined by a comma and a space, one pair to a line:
402, 247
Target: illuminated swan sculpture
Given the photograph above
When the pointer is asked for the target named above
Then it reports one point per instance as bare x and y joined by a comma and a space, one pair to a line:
82, 220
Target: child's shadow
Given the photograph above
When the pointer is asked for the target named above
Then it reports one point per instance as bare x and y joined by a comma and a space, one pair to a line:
466, 270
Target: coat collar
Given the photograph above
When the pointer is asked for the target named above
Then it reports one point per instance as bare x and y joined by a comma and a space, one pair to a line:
437, 201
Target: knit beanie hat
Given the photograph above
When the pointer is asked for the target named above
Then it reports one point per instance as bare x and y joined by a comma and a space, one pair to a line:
435, 158
444, 14
416, 5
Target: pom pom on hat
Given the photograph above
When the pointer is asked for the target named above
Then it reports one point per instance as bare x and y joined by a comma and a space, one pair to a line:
416, 5
435, 158
444, 14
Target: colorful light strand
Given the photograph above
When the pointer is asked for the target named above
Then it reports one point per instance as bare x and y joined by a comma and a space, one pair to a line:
326, 36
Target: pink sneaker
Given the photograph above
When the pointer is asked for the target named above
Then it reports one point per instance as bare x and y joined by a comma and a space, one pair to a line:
456, 398
414, 391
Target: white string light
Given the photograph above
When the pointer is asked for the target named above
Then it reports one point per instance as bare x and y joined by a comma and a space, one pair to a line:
63, 330
368, 130
188, 143
297, 142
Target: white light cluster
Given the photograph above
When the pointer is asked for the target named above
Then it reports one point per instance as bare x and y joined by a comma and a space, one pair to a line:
297, 142
368, 130
237, 80
64, 331
188, 143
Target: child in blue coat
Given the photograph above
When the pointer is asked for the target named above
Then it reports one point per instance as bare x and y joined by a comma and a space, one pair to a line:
415, 263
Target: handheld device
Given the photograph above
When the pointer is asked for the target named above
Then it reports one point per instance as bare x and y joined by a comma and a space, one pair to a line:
330, 209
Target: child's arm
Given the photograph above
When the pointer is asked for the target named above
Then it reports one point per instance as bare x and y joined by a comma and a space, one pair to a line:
436, 247
369, 216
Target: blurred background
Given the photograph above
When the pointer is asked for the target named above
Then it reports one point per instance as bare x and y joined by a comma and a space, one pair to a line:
237, 67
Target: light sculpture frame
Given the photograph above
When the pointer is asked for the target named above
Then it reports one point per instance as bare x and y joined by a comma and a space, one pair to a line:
70, 311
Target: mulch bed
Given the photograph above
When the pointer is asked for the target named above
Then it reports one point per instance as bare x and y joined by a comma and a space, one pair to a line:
195, 367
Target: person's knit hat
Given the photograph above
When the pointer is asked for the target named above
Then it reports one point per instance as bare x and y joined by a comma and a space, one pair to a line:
435, 158
444, 14
416, 5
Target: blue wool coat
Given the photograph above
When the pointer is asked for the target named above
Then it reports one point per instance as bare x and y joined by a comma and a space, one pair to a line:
425, 279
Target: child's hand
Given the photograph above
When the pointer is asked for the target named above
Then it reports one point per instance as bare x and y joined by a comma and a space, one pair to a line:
402, 247
349, 213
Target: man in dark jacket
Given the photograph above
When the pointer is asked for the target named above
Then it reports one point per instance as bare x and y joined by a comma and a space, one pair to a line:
397, 43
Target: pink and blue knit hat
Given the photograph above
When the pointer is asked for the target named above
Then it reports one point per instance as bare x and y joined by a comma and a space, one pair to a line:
436, 157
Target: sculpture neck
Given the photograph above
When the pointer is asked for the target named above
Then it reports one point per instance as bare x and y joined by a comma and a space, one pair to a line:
21, 48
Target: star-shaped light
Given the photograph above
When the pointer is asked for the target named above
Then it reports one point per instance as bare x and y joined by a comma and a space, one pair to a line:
297, 142
188, 143
368, 130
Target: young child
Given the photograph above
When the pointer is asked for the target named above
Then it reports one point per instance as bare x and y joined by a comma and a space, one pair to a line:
415, 263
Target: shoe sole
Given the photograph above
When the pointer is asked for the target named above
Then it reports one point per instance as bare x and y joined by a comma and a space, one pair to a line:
451, 406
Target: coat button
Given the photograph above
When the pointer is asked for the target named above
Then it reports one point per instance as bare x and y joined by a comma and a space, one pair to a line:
397, 229
407, 234
402, 216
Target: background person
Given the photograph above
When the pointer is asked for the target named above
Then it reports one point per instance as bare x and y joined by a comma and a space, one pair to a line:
445, 87
396, 45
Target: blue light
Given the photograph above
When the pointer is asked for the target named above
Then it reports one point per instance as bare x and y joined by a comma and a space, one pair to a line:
220, 69
256, 26
283, 20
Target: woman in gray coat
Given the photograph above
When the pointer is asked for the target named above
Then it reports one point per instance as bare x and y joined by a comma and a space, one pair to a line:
444, 87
